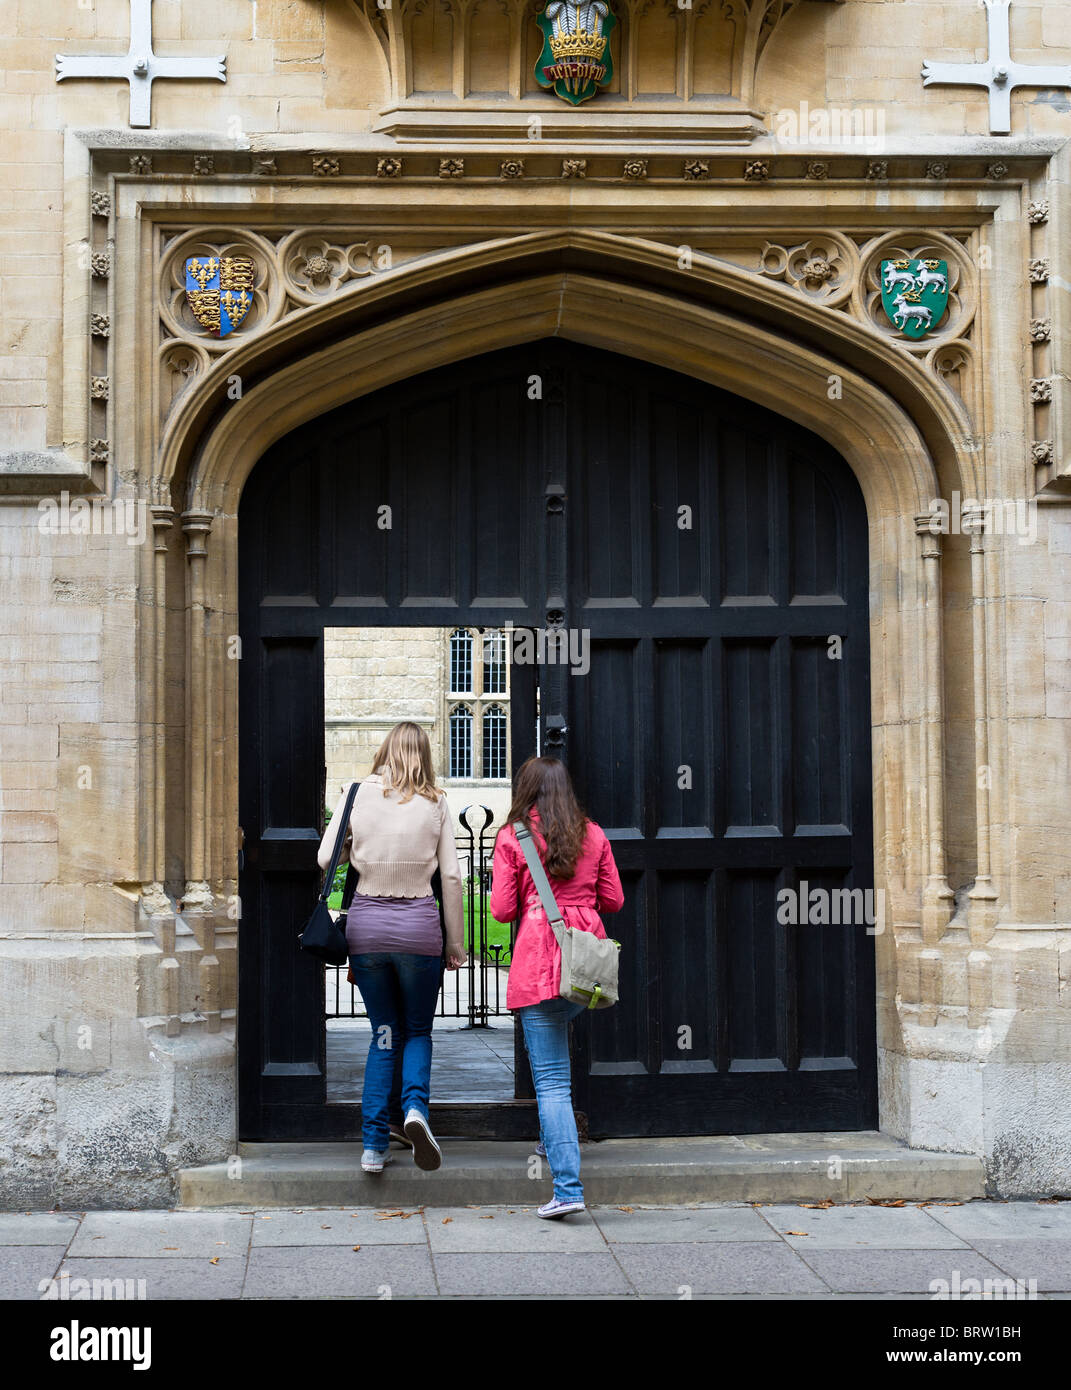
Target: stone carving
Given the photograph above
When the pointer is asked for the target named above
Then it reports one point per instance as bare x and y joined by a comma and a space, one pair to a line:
139, 66
326, 166
936, 169
877, 169
204, 164
959, 312
1039, 271
511, 169
101, 325
635, 169
1040, 330
99, 449
140, 164
822, 268
1041, 390
388, 167
999, 74
317, 266
697, 169
575, 57
1041, 452
451, 168
98, 388
757, 170
817, 169
1038, 211
234, 248
265, 166
100, 263
574, 168
996, 171
100, 204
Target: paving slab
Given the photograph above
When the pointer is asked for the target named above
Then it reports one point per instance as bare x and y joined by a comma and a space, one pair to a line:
339, 1226
887, 1228
550, 1275
164, 1278
996, 1220
159, 1233
897, 1271
22, 1269
459, 1229
374, 1271
717, 1267
1046, 1260
36, 1228
659, 1225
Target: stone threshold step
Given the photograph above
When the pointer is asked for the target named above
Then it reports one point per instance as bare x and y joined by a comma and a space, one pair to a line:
847, 1167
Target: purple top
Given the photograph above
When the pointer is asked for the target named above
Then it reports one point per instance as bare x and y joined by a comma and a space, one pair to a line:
393, 924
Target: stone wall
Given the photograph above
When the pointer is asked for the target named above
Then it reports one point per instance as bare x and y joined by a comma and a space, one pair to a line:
118, 725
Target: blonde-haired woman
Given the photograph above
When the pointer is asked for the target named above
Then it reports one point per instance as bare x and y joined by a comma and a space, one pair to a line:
400, 831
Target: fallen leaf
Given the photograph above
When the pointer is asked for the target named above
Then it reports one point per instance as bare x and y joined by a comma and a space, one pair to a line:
818, 1206
214, 1260
170, 1247
325, 1228
886, 1202
951, 1204
447, 1220
797, 1233
222, 1242
628, 1209
487, 1217
356, 1247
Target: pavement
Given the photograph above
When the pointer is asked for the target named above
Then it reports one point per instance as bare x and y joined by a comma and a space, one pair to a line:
923, 1252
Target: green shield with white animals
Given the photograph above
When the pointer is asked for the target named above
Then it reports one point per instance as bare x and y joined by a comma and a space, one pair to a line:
914, 294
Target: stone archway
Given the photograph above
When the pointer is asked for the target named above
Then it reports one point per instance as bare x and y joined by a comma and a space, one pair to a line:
905, 437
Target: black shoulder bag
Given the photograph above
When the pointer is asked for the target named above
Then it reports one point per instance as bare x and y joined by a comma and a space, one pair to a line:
324, 937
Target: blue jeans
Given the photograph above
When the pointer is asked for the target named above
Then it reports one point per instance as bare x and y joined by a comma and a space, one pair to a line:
400, 991
546, 1036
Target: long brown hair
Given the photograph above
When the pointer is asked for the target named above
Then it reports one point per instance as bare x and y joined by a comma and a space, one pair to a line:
404, 760
546, 784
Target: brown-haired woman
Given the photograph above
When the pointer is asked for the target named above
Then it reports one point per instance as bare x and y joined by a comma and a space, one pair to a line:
400, 831
584, 879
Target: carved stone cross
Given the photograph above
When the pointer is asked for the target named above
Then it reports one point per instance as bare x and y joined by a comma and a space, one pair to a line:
140, 65
999, 74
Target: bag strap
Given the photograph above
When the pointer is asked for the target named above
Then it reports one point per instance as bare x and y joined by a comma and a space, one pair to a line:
539, 878
340, 840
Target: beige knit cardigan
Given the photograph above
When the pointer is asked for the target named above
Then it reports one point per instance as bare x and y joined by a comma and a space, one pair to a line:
396, 846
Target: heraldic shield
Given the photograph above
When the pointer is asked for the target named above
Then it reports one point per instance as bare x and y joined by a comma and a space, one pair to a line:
220, 291
575, 58
914, 294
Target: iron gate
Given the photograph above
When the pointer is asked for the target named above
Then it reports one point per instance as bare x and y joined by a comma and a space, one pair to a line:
483, 996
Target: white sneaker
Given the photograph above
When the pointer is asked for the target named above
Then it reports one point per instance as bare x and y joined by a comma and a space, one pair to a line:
426, 1151
554, 1208
372, 1161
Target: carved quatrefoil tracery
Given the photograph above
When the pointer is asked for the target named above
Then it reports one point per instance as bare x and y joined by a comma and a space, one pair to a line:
293, 270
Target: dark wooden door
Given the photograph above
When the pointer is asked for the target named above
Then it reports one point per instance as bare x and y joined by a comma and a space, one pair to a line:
724, 752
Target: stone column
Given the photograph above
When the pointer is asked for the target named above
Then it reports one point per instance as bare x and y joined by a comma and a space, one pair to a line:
982, 909
196, 525
938, 900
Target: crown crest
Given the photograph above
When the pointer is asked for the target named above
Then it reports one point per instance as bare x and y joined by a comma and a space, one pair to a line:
579, 45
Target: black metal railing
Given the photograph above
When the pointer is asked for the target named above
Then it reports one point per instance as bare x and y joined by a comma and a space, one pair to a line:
475, 992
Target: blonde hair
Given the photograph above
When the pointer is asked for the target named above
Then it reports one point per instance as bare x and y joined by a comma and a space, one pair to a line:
404, 759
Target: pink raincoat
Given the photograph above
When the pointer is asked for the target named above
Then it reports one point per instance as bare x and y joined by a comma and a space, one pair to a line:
595, 887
